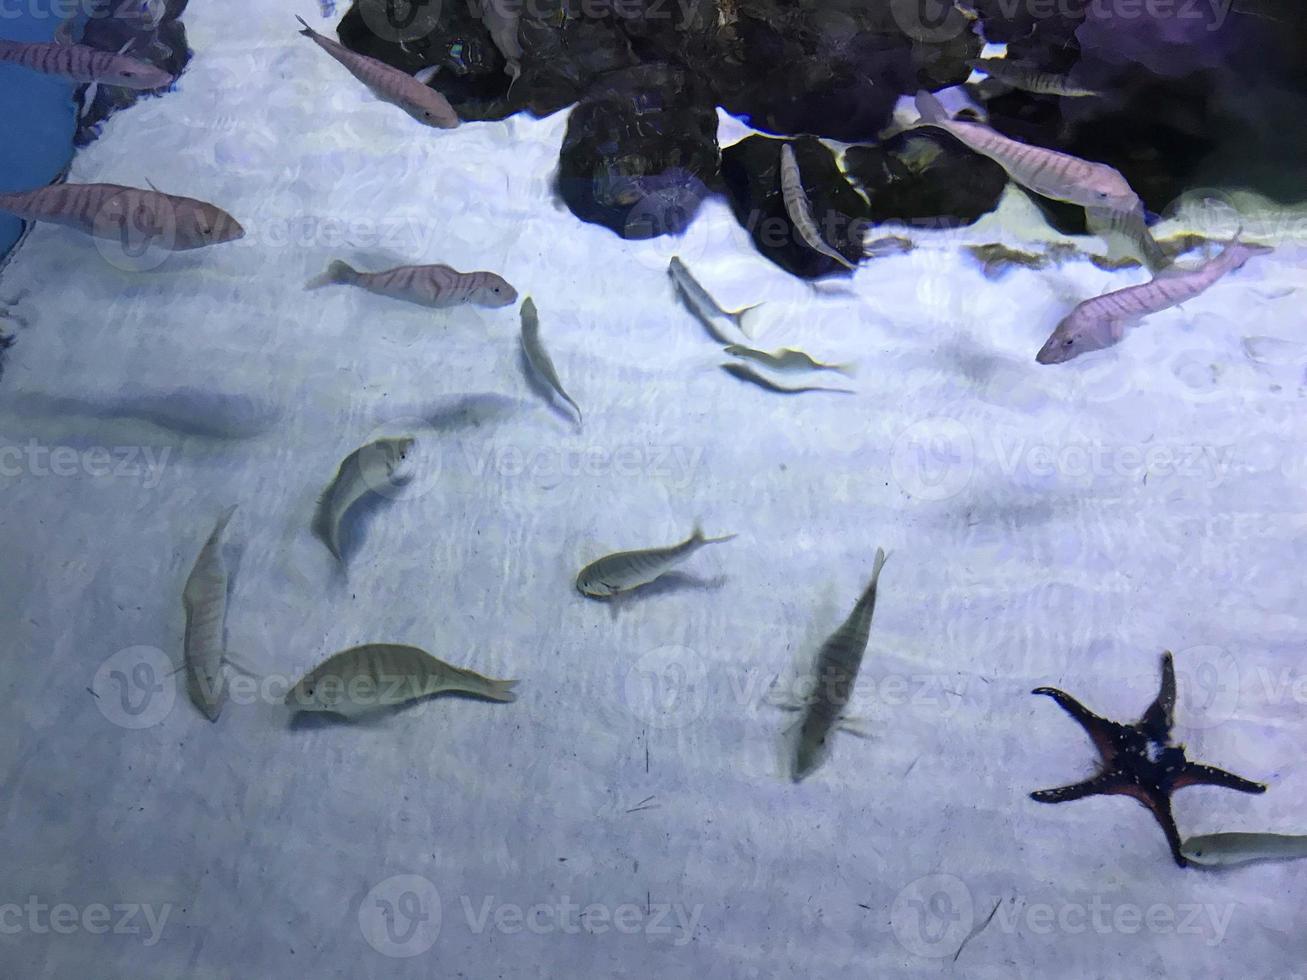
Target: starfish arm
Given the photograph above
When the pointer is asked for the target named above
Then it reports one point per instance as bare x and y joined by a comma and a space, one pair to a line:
1159, 804
1195, 774
1100, 784
1101, 732
1160, 716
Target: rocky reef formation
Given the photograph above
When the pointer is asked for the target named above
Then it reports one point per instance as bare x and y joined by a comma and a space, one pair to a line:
1192, 95
156, 35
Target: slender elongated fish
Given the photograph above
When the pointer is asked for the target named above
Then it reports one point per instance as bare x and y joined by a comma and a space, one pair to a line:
379, 675
1225, 850
130, 215
628, 570
1101, 321
436, 286
501, 20
706, 309
388, 84
837, 666
205, 599
786, 360
538, 357
1028, 79
81, 63
799, 208
745, 373
374, 467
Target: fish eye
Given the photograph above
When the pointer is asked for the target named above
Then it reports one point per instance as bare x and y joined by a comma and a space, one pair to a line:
1068, 342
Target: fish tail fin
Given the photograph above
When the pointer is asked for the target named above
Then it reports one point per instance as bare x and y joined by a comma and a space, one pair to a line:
308, 31
931, 109
877, 566
849, 370
697, 537
495, 690
322, 528
337, 274
741, 316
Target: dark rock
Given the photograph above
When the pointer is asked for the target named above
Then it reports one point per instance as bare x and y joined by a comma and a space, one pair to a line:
751, 172
110, 25
640, 152
925, 177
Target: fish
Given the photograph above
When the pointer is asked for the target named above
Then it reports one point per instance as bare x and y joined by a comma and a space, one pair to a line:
786, 359
753, 377
379, 675
128, 214
799, 208
1056, 175
500, 18
435, 286
1132, 227
538, 357
80, 63
374, 467
1029, 79
1101, 321
837, 665
1226, 850
626, 570
706, 309
204, 598
388, 84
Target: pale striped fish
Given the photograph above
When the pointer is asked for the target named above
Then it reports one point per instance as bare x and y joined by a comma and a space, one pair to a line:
380, 675
538, 357
135, 217
706, 309
786, 360
799, 208
1028, 79
376, 467
388, 84
204, 598
81, 63
1101, 321
1225, 850
1059, 176
436, 286
746, 373
836, 671
628, 570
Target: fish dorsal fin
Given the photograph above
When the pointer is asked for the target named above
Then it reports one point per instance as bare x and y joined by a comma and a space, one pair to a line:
424, 75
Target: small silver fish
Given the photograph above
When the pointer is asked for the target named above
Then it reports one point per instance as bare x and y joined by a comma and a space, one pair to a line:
1059, 176
538, 357
786, 360
837, 666
1101, 321
1029, 79
1225, 850
81, 63
420, 101
135, 217
628, 570
376, 466
799, 208
379, 675
204, 598
436, 286
753, 377
706, 309
501, 19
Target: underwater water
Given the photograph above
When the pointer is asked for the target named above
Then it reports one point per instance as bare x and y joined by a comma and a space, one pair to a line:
634, 811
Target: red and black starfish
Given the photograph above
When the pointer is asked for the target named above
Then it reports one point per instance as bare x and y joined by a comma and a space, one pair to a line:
1139, 760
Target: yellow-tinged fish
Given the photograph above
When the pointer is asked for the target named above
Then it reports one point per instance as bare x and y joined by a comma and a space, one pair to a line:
380, 675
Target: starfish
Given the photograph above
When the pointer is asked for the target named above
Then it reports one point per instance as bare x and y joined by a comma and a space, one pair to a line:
1140, 760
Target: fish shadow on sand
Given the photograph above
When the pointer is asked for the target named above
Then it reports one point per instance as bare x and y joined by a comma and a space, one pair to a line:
542, 390
312, 721
470, 411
